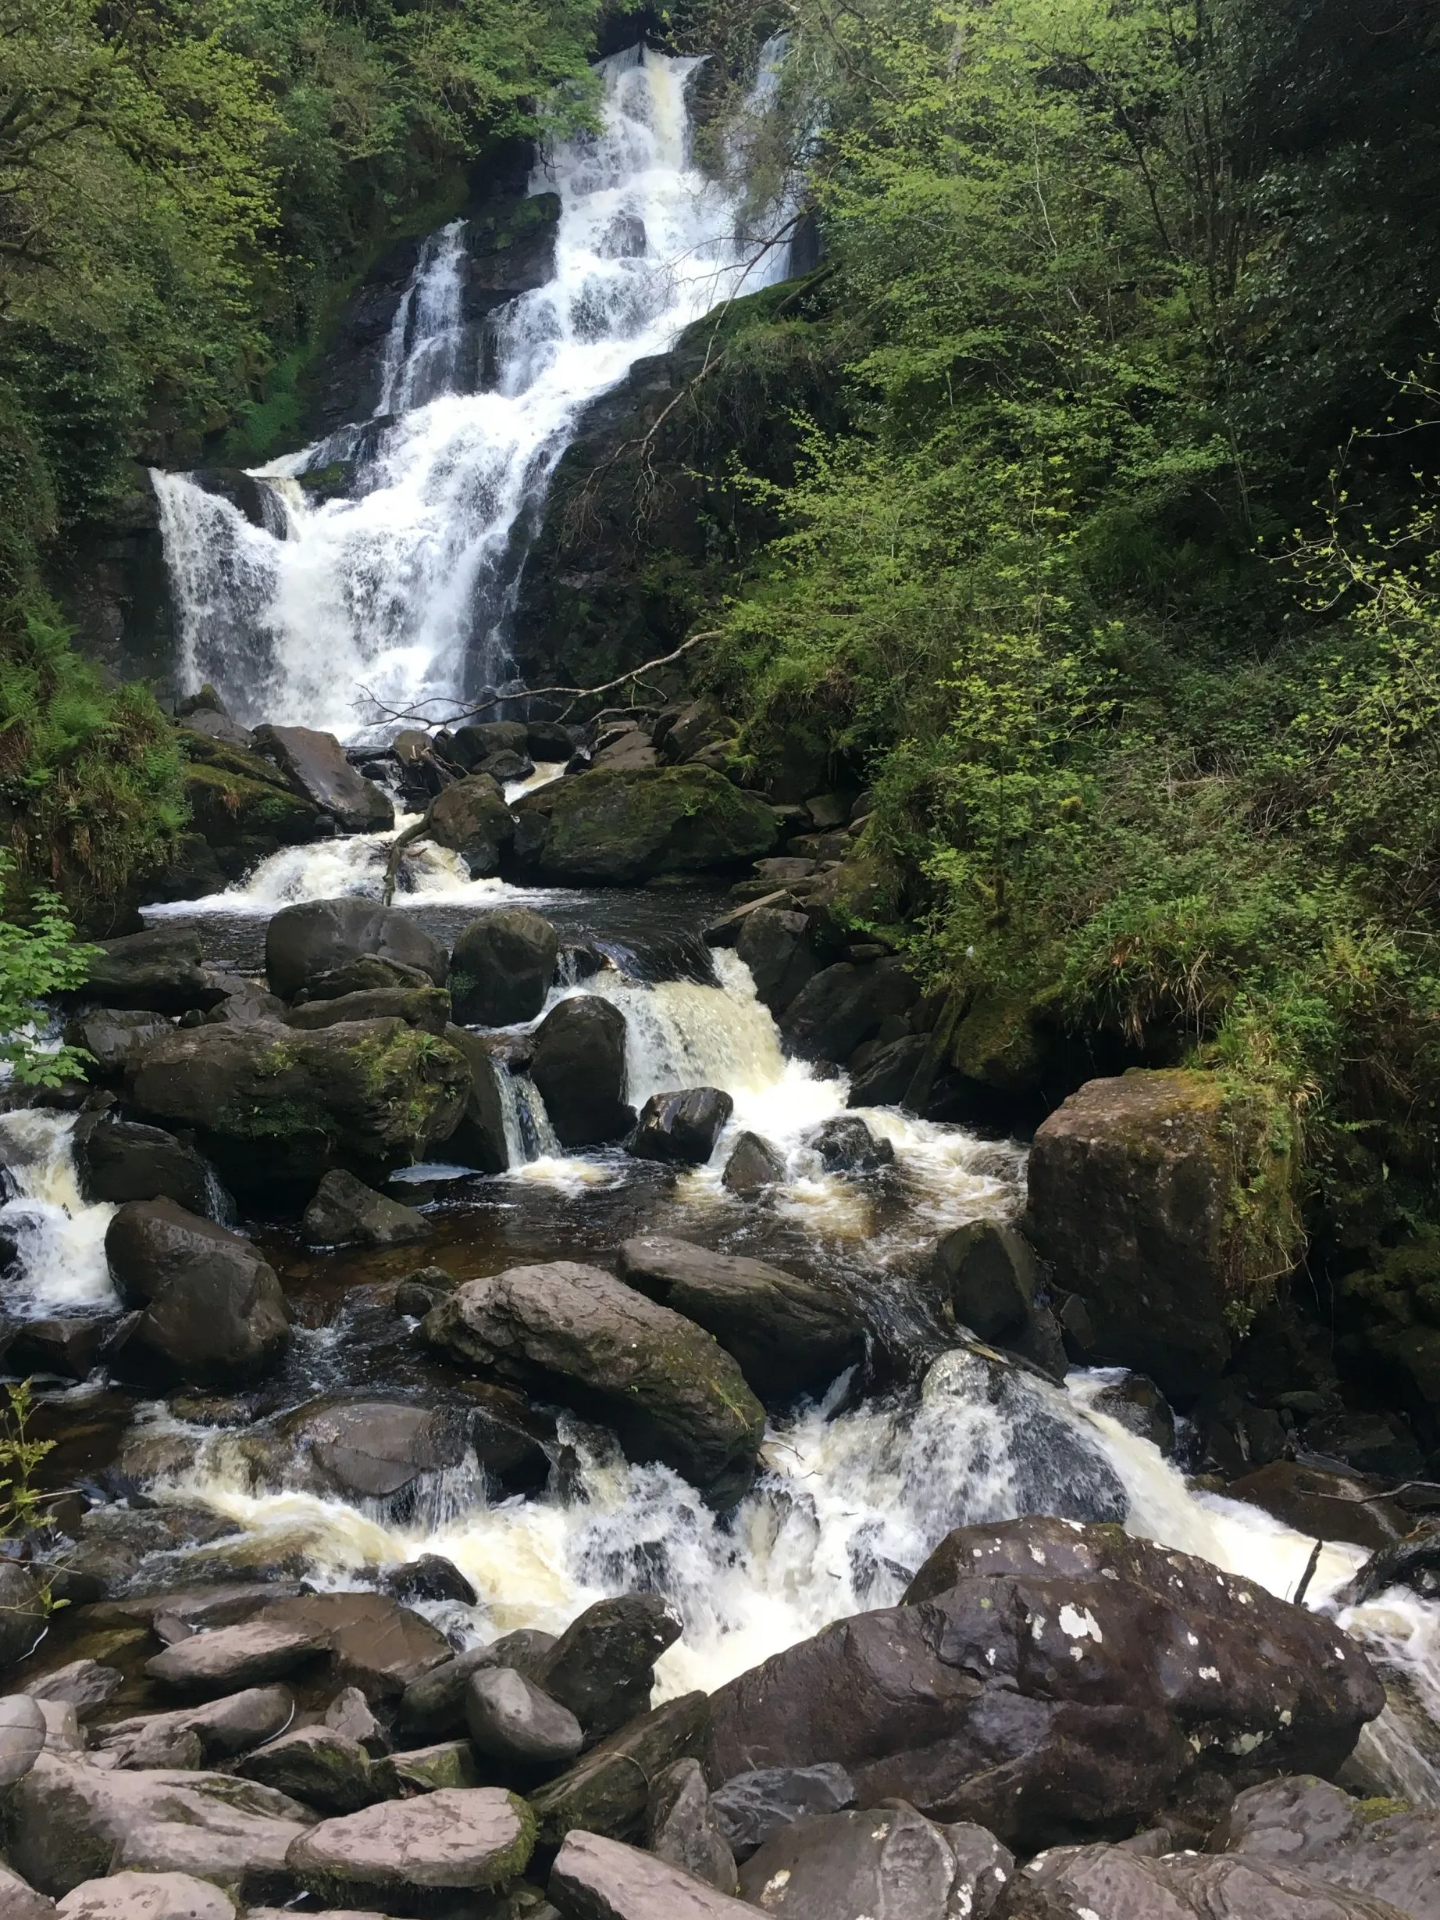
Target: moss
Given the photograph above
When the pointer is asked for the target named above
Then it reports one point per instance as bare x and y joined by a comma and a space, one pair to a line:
996, 1043
1264, 1230
225, 804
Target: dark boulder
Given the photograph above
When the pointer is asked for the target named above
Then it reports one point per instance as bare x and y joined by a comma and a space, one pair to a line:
374, 1644
317, 937
316, 767
579, 1069
1050, 1681
775, 946
987, 1274
619, 828
242, 806
478, 740
608, 1789
210, 1308
852, 1866
427, 1008
120, 1160
887, 1077
345, 1209
753, 1166
472, 819
502, 967
430, 1577
481, 1139
159, 970
846, 1145
788, 1335
753, 1807
322, 1767
671, 1393
518, 1725
1138, 1405
114, 1037
1324, 1503
1387, 1851
457, 1842
680, 1827
602, 1668
548, 741
69, 1344
681, 1128
433, 1705
359, 1449
843, 1005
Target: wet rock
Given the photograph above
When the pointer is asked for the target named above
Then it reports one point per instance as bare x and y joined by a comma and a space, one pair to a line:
787, 1334
228, 1658
305, 942
607, 1790
114, 1037
1215, 1683
1071, 1882
472, 819
360, 1449
120, 1160
843, 1005
846, 1145
245, 1004
368, 973
345, 1209
317, 769
1319, 1501
450, 1763
775, 946
210, 1308
502, 967
852, 1866
1128, 1188
619, 828
349, 1713
518, 1725
480, 1140
322, 1767
726, 931
1140, 1407
278, 1105
598, 1879
420, 1290
375, 1644
69, 1346
602, 1668
218, 1731
446, 1843
430, 1577
753, 1166
68, 1822
548, 741
681, 1128
624, 750
1389, 1852
478, 740
887, 1077
753, 1807
434, 1704
1374, 1443
146, 1896
85, 1685
159, 970
18, 1901
671, 1393
579, 1069
22, 1736
680, 1827
505, 766
988, 1274
427, 1008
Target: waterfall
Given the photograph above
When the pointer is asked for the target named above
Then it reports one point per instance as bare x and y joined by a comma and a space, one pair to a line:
401, 591
58, 1236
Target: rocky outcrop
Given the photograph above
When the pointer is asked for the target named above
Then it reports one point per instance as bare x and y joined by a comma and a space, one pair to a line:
774, 943
753, 1807
480, 1140
843, 1005
344, 1209
788, 1335
502, 967
671, 1393
243, 809
681, 1128
210, 1309
427, 1008
579, 1068
159, 970
306, 943
360, 1449
113, 1037
316, 767
618, 829
1049, 1681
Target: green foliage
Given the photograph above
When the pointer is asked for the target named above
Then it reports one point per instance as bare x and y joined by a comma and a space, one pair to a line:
22, 1508
40, 958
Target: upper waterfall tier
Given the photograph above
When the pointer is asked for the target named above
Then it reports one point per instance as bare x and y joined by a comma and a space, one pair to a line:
397, 595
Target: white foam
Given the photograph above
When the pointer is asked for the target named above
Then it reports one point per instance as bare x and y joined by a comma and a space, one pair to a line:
59, 1235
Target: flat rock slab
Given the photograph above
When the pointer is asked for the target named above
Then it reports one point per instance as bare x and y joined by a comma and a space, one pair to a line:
147, 1896
228, 1658
1112, 1883
598, 1879
852, 1866
219, 1730
460, 1840
375, 1644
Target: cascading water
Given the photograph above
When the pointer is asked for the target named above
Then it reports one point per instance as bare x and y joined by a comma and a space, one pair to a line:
397, 596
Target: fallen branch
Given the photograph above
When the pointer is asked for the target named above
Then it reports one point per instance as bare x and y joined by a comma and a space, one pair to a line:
416, 831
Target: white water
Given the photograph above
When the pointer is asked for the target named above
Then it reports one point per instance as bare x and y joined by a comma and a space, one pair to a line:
402, 594
59, 1235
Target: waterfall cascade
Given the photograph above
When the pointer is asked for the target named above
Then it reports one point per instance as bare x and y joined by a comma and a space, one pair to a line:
402, 590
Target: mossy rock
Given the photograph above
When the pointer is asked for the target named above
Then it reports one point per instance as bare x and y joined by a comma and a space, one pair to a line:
227, 806
998, 1044
620, 829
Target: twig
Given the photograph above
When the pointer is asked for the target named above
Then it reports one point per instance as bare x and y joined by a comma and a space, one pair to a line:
397, 846
1309, 1573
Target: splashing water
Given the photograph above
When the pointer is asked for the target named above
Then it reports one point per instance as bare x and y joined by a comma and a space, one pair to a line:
58, 1235
404, 589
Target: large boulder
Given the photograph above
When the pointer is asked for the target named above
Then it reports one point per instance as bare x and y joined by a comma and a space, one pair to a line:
753, 1807
608, 1789
621, 828
598, 1879
988, 1276
788, 1335
502, 966
1050, 1681
681, 1128
602, 1668
113, 1037
402, 1854
316, 767
775, 945
482, 1138
852, 1866
211, 1310
843, 1005
360, 1449
578, 1067
375, 1644
159, 970
344, 1209
753, 1166
22, 1736
670, 1392
472, 819
242, 806
276, 1107
517, 1724
1388, 1851
303, 943
203, 1735
321, 1766
119, 1160
1131, 1192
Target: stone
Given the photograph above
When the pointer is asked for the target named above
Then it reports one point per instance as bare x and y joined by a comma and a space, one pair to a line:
502, 967
120, 1160
242, 807
843, 1005
316, 766
775, 946
669, 1390
1125, 1678
21, 1902
320, 1766
602, 1668
69, 1345
726, 931
680, 1826
272, 1104
481, 1139
887, 1077
375, 1644
22, 1614
1323, 1503
317, 937
579, 1070
429, 1577
681, 1128
620, 828
228, 1658
629, 750
548, 742
434, 1704
114, 1037
146, 1896
1385, 1850
987, 1274
753, 1807
159, 970
608, 1788
518, 1725
1139, 1406
215, 1732
85, 1685
753, 1166
598, 1879
787, 1335
366, 973
1129, 1183
471, 818
846, 1145
426, 1008
344, 1209
852, 1866
211, 1310
1070, 1882
449, 1763
349, 1713
458, 1840
477, 740
22, 1736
